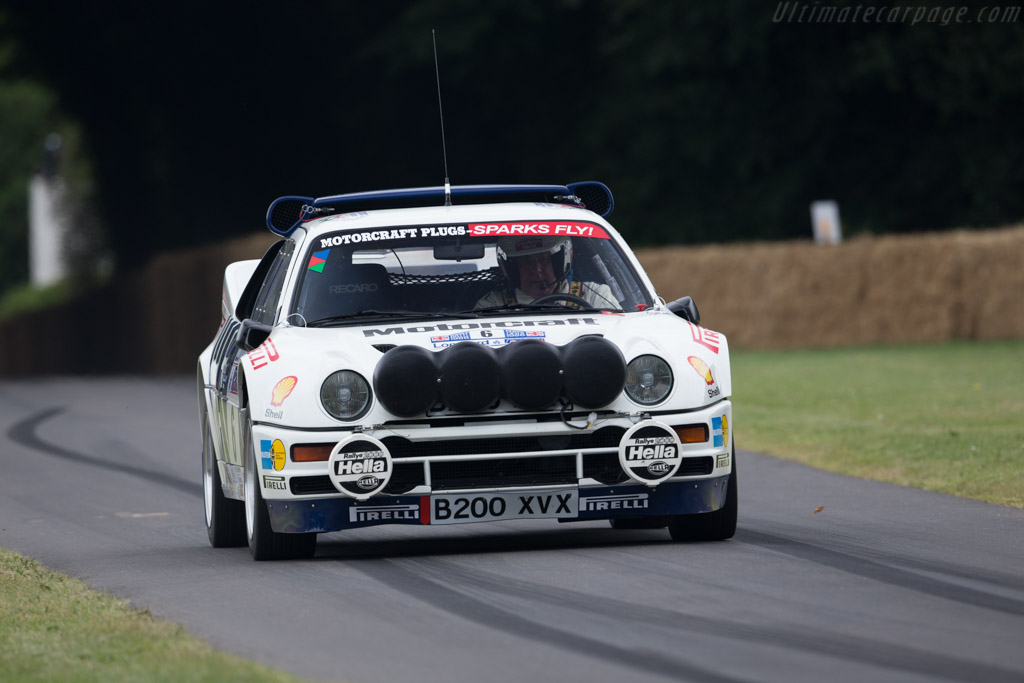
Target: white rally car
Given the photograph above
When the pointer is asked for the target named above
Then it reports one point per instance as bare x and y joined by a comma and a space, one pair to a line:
451, 355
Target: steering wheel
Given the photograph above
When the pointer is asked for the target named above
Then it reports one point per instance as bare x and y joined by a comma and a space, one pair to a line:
557, 296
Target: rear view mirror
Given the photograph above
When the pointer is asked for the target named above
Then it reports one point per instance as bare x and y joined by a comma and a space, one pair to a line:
251, 334
685, 309
458, 252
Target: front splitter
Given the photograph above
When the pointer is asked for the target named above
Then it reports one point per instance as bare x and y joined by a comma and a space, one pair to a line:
600, 502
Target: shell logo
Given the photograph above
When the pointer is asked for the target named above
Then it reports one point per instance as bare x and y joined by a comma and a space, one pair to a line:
283, 390
702, 369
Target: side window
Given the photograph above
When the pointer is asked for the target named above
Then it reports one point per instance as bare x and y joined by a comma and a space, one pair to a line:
243, 310
270, 293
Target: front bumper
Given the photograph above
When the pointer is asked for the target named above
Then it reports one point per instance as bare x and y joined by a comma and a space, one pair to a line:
488, 457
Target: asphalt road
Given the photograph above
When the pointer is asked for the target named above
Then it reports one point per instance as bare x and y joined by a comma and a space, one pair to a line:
100, 478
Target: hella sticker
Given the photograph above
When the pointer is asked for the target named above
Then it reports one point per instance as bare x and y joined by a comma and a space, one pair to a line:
658, 468
368, 482
650, 452
359, 466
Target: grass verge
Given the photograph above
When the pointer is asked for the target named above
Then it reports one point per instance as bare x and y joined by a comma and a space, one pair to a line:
946, 418
54, 628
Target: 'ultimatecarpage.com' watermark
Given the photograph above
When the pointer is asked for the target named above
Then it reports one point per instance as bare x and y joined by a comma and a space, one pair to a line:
816, 13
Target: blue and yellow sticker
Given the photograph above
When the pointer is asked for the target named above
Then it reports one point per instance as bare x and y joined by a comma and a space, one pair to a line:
272, 454
720, 431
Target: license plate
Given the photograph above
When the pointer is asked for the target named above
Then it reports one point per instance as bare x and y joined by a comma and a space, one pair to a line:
462, 508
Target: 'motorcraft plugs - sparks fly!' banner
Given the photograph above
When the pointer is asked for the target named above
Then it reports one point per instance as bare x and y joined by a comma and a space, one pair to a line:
566, 229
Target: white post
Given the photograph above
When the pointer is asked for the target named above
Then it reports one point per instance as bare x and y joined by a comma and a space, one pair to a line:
46, 220
825, 222
46, 232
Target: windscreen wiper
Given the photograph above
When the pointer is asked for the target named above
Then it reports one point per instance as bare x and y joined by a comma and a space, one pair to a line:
542, 307
373, 313
501, 307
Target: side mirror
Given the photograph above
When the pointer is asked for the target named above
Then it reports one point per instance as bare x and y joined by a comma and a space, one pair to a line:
685, 309
251, 335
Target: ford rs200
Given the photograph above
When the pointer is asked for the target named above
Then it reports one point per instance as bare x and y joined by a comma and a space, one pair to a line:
450, 355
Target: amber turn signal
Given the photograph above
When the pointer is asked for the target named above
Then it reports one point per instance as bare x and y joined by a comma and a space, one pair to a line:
692, 433
314, 452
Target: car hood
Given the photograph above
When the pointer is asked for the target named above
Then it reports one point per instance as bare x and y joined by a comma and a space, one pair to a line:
284, 375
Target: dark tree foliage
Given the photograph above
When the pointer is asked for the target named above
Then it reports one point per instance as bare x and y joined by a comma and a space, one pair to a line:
709, 120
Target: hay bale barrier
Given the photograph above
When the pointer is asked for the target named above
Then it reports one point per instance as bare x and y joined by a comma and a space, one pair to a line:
933, 287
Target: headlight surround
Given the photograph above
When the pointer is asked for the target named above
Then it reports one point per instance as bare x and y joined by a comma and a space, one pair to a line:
648, 380
345, 395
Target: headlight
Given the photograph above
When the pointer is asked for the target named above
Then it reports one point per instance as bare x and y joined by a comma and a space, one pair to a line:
648, 380
345, 395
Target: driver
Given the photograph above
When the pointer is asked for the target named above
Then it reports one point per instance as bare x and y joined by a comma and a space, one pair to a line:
539, 266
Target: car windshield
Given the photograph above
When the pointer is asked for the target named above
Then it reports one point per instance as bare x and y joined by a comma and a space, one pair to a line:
350, 277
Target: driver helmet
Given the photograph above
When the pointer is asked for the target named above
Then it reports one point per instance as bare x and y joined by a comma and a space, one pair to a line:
559, 248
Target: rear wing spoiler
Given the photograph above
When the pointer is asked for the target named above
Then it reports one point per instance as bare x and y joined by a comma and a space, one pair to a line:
287, 213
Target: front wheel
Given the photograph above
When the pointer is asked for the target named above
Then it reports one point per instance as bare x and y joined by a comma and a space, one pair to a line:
225, 524
264, 542
709, 526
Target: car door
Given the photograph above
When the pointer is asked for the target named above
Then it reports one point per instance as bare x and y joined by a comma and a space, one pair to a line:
259, 302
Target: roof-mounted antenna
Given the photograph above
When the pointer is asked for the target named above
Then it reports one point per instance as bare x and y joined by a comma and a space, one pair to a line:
444, 149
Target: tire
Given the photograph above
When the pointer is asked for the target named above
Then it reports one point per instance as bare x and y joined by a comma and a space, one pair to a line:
225, 518
709, 526
264, 542
639, 523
